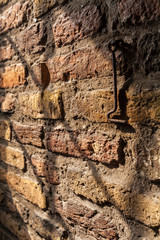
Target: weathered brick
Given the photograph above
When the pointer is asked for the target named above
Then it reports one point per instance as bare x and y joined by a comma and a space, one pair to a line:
32, 38
45, 169
13, 76
41, 75
93, 105
143, 207
94, 147
46, 226
3, 2
28, 134
8, 103
1, 195
30, 189
5, 130
16, 227
146, 152
143, 107
77, 25
12, 156
42, 6
97, 224
41, 105
138, 11
13, 17
80, 64
6, 52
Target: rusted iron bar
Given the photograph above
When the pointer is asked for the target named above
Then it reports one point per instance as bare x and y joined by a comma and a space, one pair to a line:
112, 46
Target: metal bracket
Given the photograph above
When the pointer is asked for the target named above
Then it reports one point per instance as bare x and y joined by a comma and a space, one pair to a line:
113, 46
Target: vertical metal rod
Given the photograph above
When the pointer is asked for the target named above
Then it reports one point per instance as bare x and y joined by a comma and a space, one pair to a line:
112, 47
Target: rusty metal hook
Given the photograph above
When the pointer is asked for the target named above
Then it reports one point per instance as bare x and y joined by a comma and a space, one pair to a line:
113, 46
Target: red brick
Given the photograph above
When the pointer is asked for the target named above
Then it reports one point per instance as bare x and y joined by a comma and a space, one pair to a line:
97, 224
13, 17
32, 38
80, 64
138, 11
45, 169
94, 147
13, 76
77, 25
6, 53
28, 134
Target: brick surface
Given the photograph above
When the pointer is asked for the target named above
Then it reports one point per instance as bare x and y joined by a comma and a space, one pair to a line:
97, 224
12, 156
6, 53
5, 130
77, 25
41, 75
32, 38
16, 227
143, 107
30, 189
3, 2
13, 76
80, 64
8, 103
143, 207
28, 134
138, 11
94, 147
48, 228
41, 105
42, 6
93, 105
13, 17
45, 169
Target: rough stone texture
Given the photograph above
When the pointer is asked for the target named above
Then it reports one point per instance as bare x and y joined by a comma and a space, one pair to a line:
30, 189
138, 11
5, 131
28, 134
3, 2
93, 105
80, 64
97, 224
32, 38
95, 147
8, 103
13, 17
136, 103
41, 75
47, 228
42, 6
45, 169
13, 76
42, 104
83, 178
77, 25
143, 207
12, 156
6, 52
16, 227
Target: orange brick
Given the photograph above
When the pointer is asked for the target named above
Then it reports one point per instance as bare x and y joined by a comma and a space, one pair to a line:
13, 76
30, 189
5, 130
12, 156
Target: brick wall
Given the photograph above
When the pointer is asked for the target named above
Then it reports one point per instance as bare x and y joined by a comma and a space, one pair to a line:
66, 172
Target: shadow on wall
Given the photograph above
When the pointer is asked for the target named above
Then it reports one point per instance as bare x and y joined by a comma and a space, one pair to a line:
14, 218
